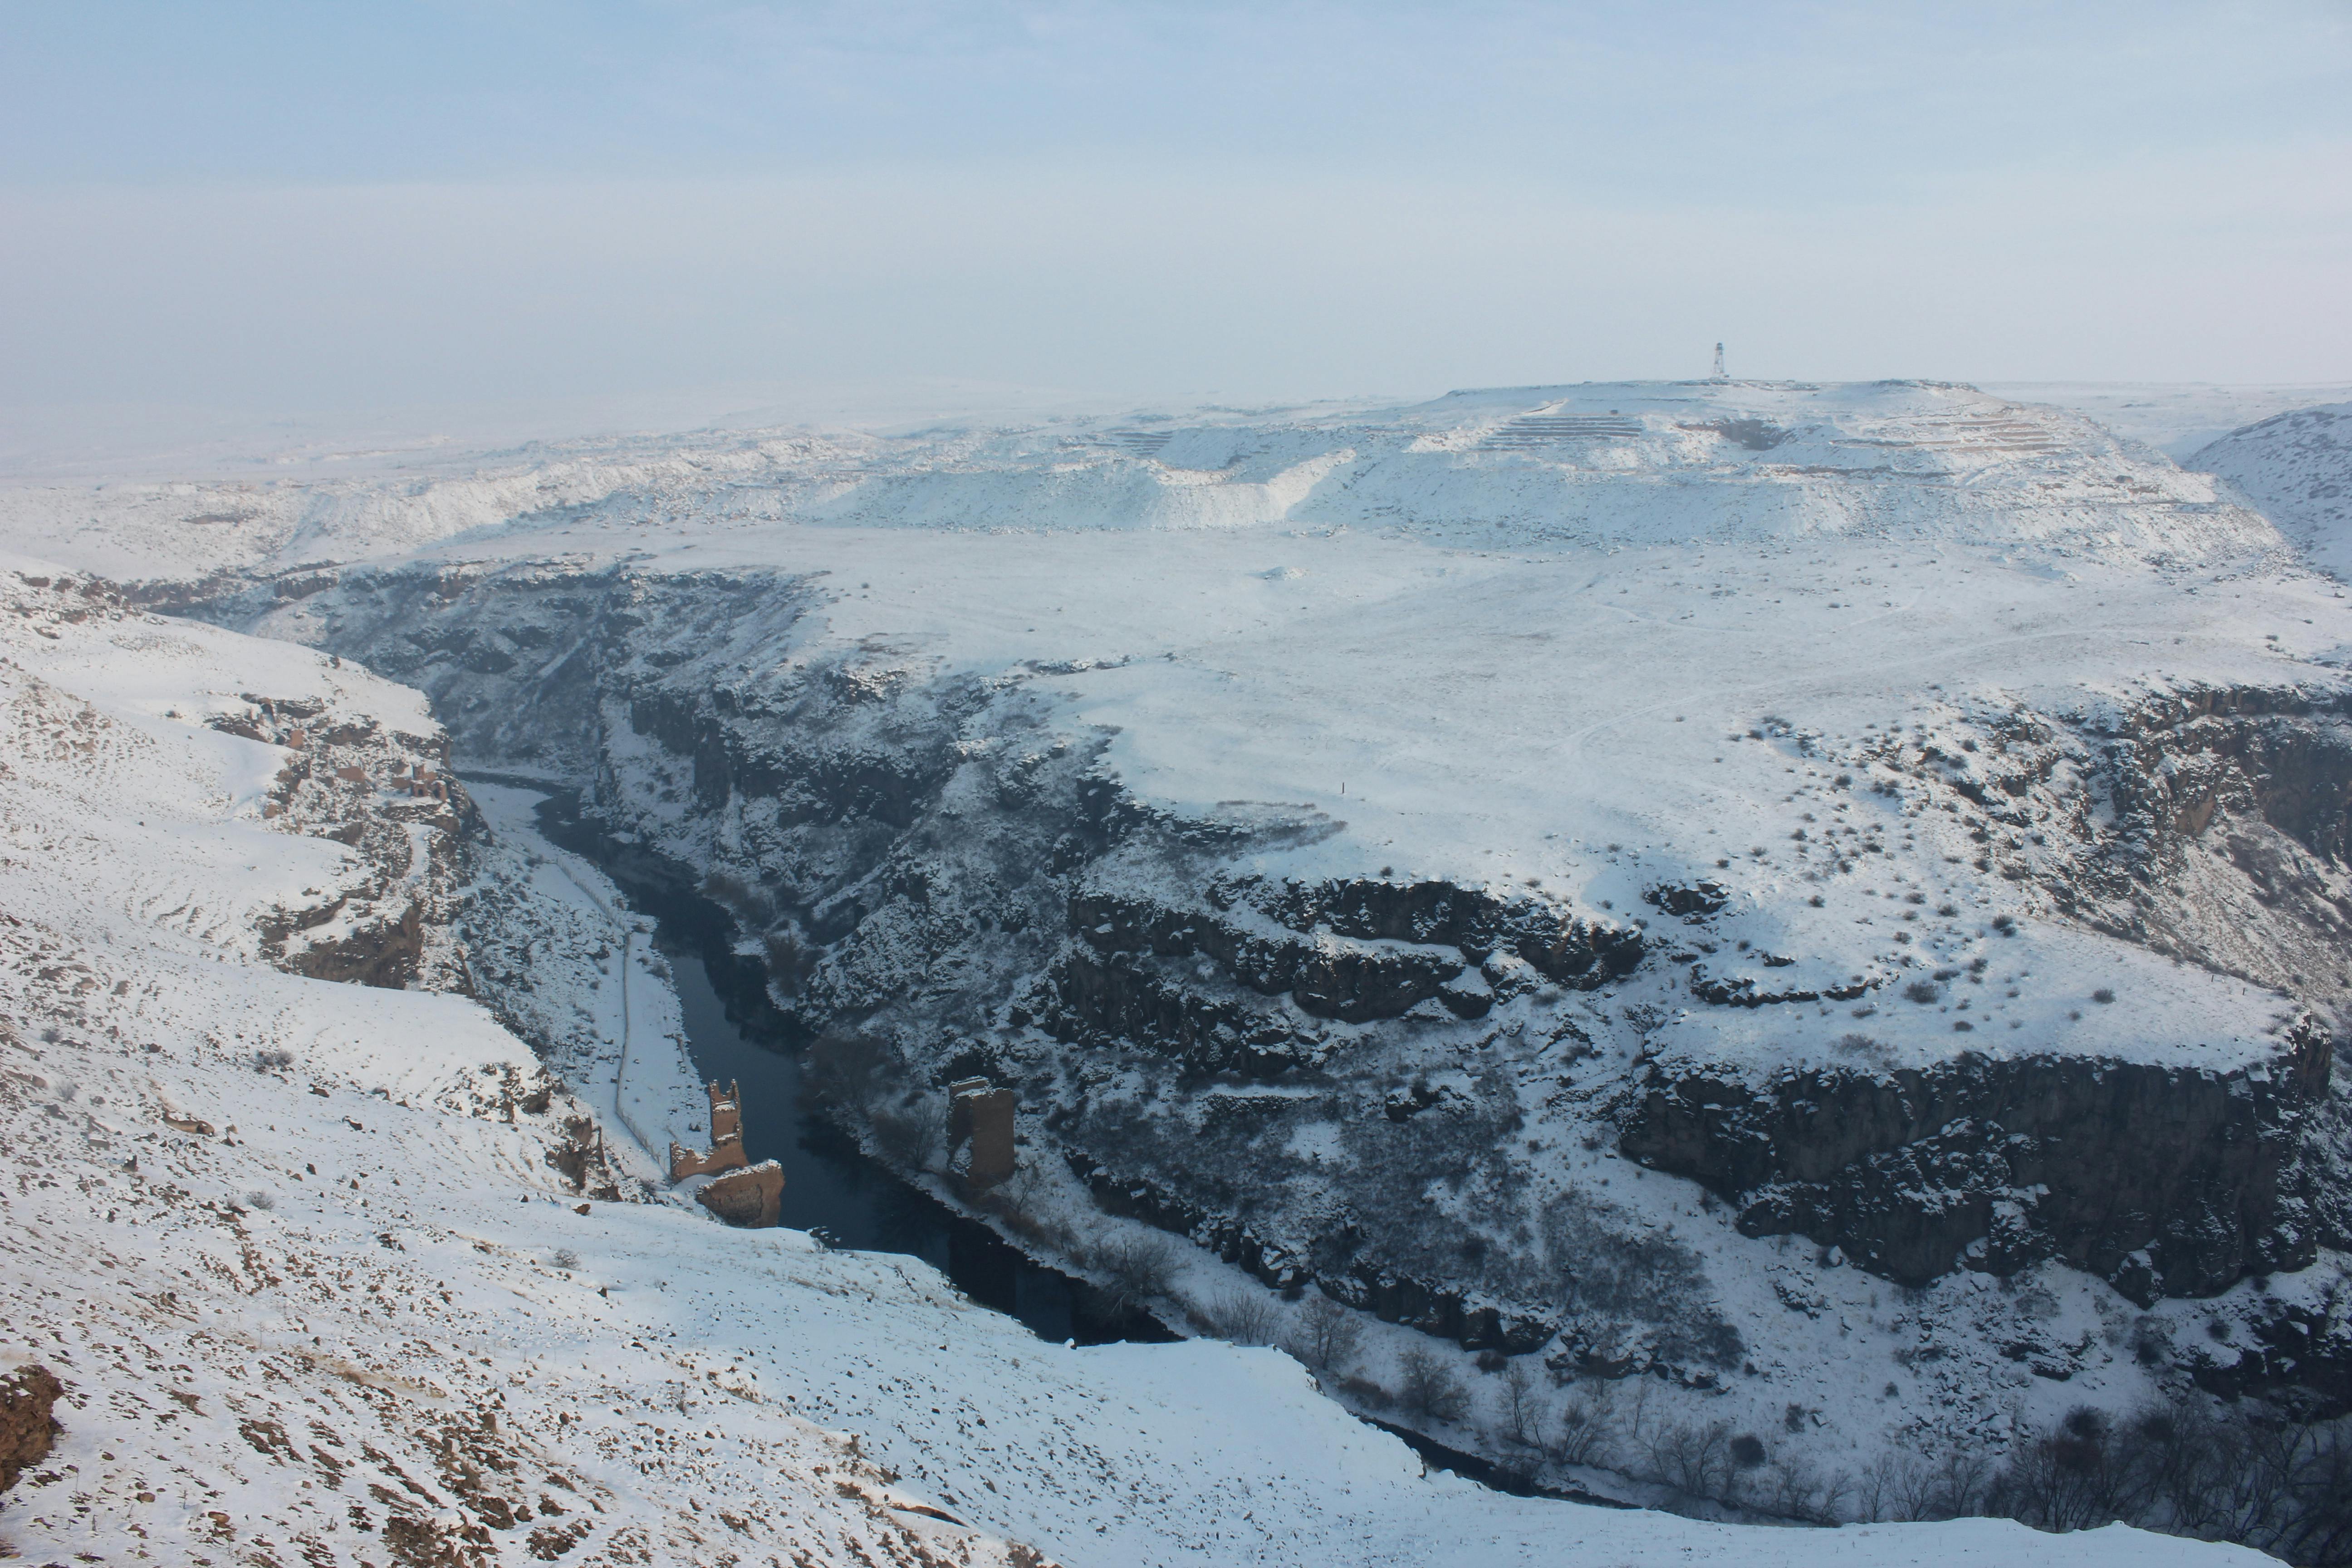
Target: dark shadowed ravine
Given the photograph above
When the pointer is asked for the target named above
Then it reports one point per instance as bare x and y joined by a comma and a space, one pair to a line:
832, 1188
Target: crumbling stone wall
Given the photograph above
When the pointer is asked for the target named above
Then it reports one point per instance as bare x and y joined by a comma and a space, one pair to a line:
752, 1196
726, 1150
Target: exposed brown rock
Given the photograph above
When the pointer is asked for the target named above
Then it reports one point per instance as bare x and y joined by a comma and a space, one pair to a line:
28, 1428
753, 1196
386, 956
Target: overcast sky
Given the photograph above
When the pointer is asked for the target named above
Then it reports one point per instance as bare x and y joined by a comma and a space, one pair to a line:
314, 207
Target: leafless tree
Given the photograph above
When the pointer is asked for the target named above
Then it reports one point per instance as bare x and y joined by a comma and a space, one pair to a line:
1580, 1434
1328, 1333
1138, 1267
1431, 1389
1522, 1415
1693, 1459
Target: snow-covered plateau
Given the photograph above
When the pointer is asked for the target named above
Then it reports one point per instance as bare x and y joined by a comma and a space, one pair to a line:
1777, 948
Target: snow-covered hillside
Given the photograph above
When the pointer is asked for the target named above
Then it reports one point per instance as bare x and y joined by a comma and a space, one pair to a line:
2176, 419
305, 1258
2296, 468
1808, 912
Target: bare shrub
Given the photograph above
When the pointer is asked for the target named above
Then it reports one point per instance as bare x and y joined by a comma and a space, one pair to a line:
2151, 1341
1693, 1459
1013, 1200
1922, 990
846, 1067
2069, 1478
565, 1259
258, 1199
1878, 1490
789, 958
1579, 1434
2103, 994
1138, 1267
1429, 1387
1614, 1272
1245, 1317
910, 1136
1522, 1412
1951, 1484
1328, 1333
1794, 1487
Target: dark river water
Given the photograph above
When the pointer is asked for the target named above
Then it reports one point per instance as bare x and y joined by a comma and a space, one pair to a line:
831, 1186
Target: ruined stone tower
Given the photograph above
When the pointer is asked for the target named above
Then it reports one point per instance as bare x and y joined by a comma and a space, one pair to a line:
982, 1112
726, 1152
744, 1194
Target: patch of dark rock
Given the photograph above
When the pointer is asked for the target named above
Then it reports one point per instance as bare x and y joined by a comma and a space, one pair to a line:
29, 1429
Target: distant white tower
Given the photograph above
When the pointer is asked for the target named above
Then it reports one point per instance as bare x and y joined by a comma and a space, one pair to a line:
1719, 375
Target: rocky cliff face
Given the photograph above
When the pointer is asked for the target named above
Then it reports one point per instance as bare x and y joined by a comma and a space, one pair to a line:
2217, 829
2162, 1180
2209, 825
388, 798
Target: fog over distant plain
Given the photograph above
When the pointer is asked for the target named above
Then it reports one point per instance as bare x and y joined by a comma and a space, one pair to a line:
663, 212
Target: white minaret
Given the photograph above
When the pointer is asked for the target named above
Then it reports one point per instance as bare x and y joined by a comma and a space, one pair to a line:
1719, 375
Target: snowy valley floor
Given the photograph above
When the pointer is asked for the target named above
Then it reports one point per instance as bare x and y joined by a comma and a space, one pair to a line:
318, 1295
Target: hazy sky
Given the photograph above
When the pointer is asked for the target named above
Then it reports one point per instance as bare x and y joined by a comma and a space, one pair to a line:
319, 205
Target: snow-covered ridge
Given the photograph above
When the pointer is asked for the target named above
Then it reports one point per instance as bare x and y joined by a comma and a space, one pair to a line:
1607, 465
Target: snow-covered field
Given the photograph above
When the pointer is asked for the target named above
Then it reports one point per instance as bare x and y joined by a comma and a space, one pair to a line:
1864, 666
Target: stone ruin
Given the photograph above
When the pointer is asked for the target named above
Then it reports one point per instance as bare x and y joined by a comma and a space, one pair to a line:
752, 1196
726, 1150
744, 1194
981, 1113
